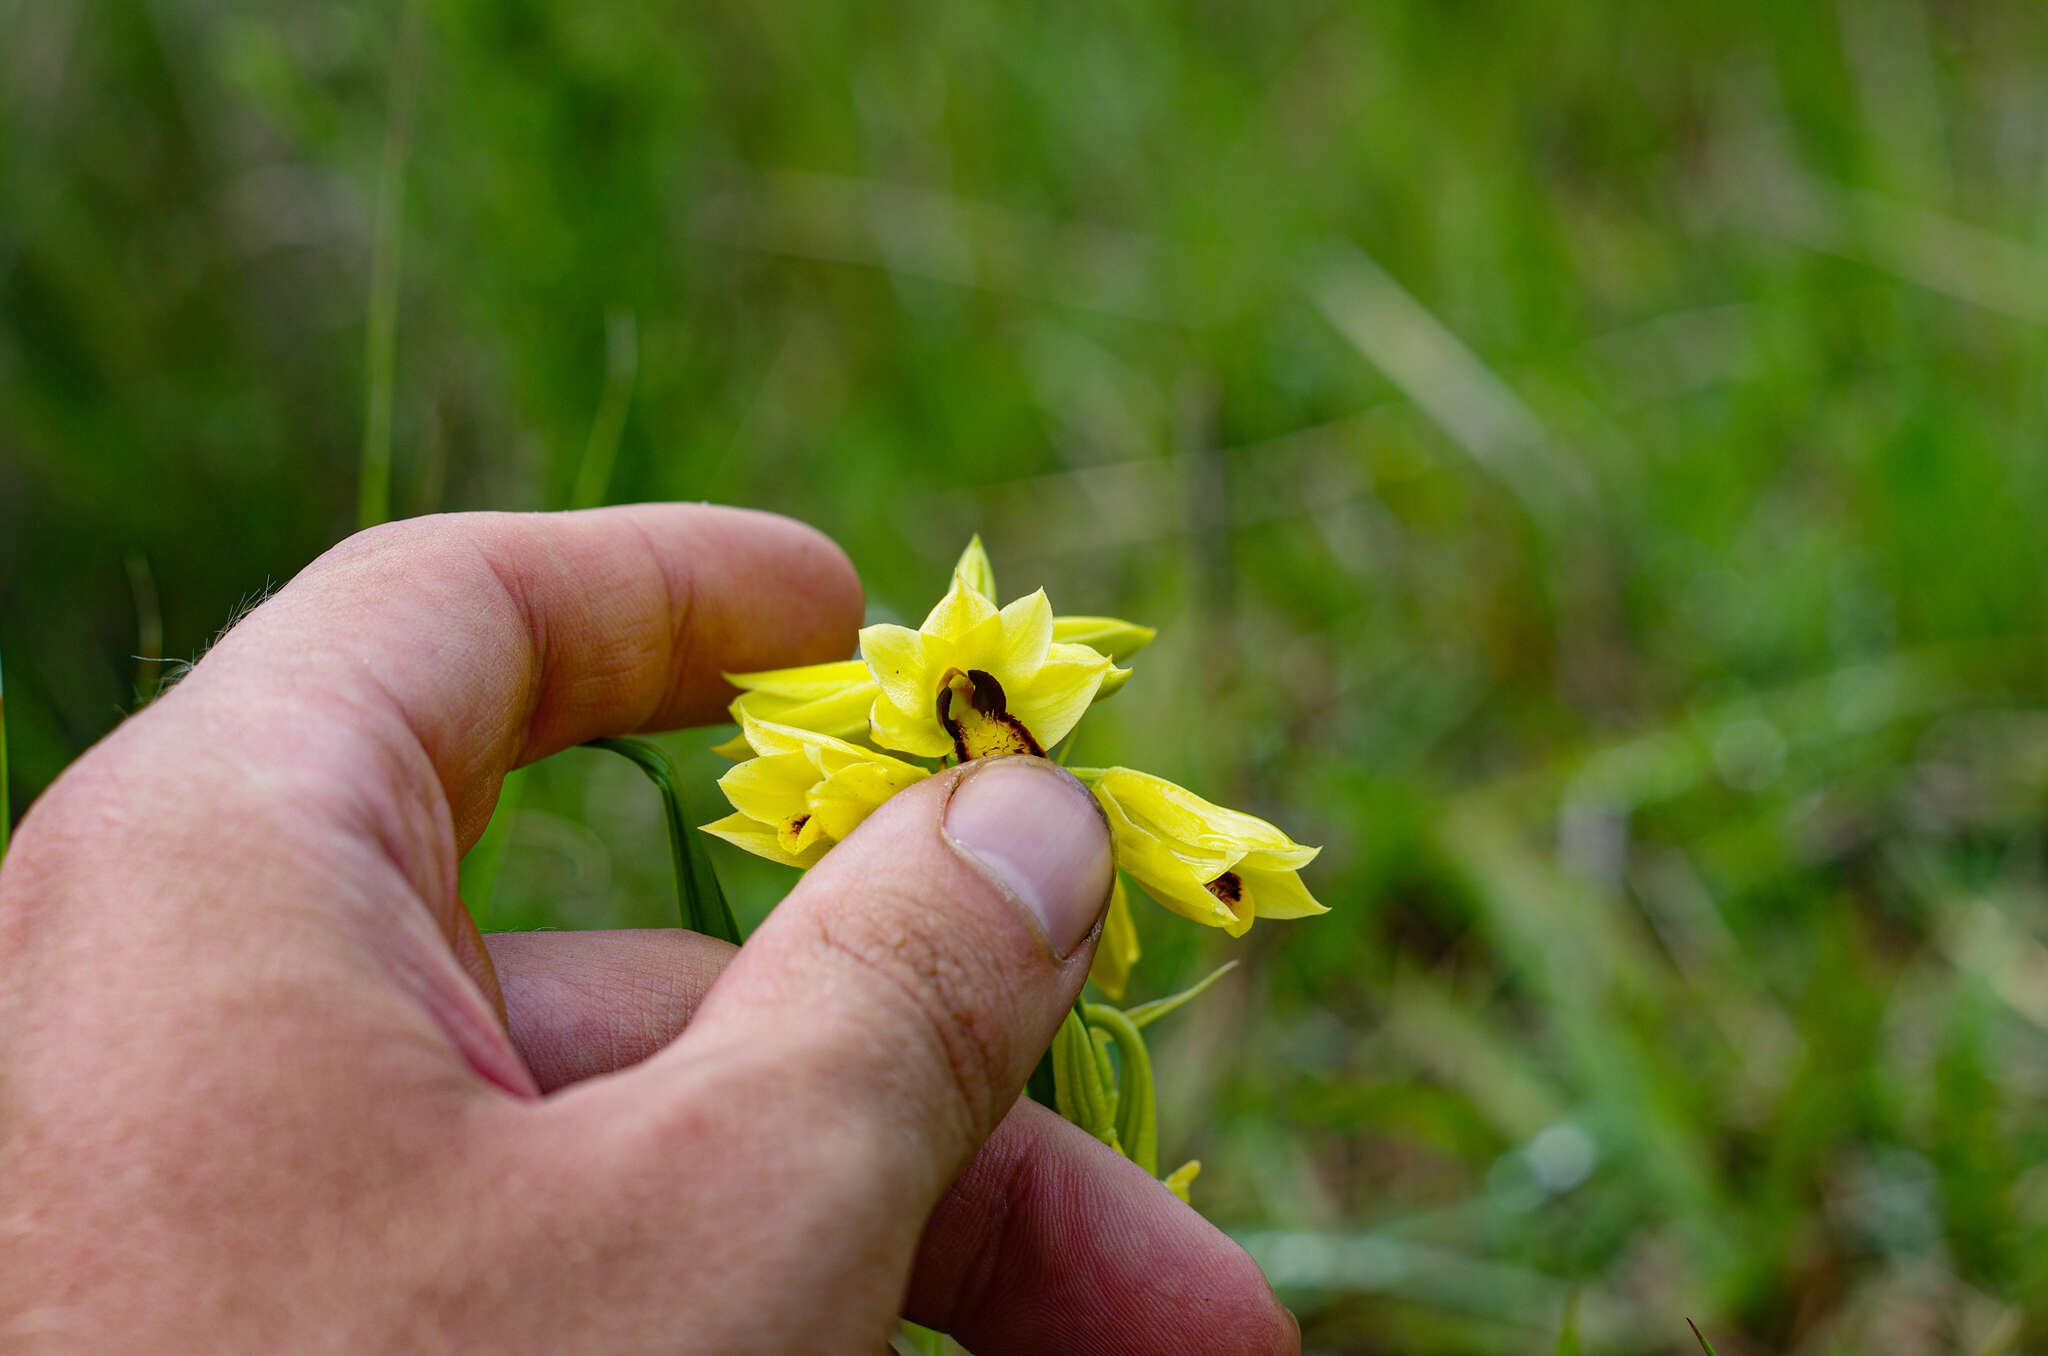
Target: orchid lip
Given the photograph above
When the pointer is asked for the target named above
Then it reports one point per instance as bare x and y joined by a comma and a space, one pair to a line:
983, 727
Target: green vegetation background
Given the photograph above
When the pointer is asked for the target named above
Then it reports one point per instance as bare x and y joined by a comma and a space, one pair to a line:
1586, 461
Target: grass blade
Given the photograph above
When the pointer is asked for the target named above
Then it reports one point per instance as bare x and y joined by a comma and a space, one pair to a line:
622, 364
373, 492
1700, 1337
149, 629
1568, 1331
700, 899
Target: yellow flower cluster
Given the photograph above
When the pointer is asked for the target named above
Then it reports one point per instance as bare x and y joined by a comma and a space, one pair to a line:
978, 680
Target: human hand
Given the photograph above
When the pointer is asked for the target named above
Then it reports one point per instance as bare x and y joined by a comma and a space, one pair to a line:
257, 1088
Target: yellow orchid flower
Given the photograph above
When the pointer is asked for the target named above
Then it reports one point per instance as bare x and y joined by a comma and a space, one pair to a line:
840, 698
1207, 863
974, 680
805, 791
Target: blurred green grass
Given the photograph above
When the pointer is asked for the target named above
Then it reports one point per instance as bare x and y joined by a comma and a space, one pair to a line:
1585, 458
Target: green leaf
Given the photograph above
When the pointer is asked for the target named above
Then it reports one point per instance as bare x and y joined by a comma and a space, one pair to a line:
700, 899
1701, 1337
1145, 1014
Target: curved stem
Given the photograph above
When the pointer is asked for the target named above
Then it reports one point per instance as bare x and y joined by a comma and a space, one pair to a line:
1137, 1113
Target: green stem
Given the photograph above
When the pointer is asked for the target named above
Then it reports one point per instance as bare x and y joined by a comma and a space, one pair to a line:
1137, 1114
700, 899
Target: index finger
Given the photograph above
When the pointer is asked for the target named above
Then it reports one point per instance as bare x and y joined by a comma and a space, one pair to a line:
491, 640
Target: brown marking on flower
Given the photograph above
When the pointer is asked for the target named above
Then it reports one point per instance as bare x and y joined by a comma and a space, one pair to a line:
1228, 888
791, 834
975, 711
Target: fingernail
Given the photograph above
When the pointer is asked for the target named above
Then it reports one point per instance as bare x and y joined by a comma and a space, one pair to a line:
1028, 826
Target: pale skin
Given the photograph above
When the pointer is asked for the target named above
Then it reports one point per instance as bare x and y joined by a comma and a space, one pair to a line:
264, 1088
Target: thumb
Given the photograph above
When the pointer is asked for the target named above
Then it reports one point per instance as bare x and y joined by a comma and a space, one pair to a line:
918, 971
840, 1072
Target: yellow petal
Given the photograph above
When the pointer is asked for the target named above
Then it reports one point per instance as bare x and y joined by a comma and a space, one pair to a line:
771, 788
841, 712
916, 733
895, 656
1281, 859
960, 611
1112, 683
1278, 894
806, 683
1181, 1178
1118, 950
975, 569
1178, 813
823, 752
1112, 636
737, 749
841, 801
767, 738
1056, 698
1165, 876
1203, 862
1026, 636
800, 833
761, 840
